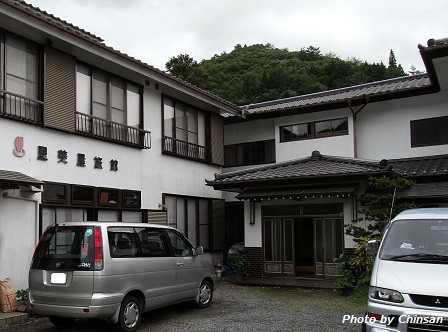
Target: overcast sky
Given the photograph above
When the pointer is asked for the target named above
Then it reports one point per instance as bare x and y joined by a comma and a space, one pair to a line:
153, 31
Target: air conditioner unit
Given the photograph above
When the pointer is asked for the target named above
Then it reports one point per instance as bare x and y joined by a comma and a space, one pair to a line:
31, 189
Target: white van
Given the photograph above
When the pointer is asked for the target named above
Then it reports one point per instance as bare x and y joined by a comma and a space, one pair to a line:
116, 271
409, 284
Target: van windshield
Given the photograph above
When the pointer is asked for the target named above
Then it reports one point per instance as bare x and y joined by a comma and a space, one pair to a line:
417, 241
65, 248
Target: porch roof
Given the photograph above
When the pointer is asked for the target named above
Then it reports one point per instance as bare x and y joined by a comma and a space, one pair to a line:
317, 167
12, 177
298, 193
421, 166
428, 190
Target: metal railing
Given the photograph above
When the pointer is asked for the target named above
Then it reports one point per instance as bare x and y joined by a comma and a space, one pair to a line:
21, 108
185, 149
92, 126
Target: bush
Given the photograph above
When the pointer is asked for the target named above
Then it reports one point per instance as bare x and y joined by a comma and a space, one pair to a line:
237, 264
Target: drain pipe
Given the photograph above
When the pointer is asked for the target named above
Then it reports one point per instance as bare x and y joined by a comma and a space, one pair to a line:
354, 114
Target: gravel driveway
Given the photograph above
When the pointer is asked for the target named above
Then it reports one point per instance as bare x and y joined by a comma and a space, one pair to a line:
237, 308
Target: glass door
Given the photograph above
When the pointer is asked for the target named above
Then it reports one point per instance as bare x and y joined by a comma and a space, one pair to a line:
328, 235
278, 247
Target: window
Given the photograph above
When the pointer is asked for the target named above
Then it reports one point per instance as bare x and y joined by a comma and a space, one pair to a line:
83, 195
251, 153
331, 128
429, 132
55, 192
109, 197
295, 132
152, 242
200, 219
181, 247
20, 63
311, 130
108, 107
184, 130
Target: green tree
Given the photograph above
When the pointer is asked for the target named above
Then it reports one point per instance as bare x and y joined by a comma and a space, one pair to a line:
380, 206
186, 68
260, 72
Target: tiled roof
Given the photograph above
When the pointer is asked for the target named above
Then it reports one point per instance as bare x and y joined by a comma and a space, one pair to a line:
350, 93
437, 189
316, 165
323, 165
422, 166
70, 28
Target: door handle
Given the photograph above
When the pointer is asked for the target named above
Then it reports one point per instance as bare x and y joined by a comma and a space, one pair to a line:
180, 263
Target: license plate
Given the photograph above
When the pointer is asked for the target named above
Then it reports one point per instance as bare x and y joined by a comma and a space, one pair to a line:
58, 278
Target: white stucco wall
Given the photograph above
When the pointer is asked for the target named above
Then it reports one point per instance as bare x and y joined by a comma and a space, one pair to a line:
383, 129
333, 146
18, 237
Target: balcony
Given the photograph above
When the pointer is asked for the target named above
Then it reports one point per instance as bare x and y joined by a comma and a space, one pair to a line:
114, 132
184, 149
20, 108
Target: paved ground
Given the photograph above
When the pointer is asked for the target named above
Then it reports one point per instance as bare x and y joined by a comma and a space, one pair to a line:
236, 308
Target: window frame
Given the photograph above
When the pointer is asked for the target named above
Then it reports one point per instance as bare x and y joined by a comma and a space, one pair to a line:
23, 107
245, 154
311, 130
172, 129
433, 125
103, 124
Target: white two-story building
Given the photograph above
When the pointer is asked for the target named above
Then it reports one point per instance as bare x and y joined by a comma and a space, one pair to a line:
296, 167
89, 133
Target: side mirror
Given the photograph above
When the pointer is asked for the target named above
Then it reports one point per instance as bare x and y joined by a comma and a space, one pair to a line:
199, 250
372, 247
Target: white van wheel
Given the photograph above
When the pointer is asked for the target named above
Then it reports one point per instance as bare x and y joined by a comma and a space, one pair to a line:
205, 295
130, 314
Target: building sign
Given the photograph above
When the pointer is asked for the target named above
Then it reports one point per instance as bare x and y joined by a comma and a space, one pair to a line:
18, 150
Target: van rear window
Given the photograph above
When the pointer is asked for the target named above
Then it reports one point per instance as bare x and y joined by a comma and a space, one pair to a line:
65, 248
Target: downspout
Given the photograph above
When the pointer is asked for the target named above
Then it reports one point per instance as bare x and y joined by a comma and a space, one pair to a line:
354, 114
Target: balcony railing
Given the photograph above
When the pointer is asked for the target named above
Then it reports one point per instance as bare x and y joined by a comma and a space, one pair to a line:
92, 126
185, 149
20, 108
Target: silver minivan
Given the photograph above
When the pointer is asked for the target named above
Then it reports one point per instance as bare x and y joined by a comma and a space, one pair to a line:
408, 289
116, 271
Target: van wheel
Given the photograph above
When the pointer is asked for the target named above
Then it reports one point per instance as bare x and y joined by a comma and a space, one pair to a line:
130, 314
61, 321
205, 295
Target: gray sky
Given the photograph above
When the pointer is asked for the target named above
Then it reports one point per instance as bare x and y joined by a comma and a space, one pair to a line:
153, 31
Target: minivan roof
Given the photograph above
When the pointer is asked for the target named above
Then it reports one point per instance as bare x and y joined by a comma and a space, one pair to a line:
111, 223
423, 213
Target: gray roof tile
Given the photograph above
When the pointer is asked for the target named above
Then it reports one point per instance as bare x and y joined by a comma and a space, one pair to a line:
315, 166
332, 96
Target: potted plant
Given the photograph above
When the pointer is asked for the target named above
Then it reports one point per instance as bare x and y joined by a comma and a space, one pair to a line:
22, 299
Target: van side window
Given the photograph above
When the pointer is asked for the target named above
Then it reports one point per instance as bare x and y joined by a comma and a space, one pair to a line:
151, 242
122, 242
180, 246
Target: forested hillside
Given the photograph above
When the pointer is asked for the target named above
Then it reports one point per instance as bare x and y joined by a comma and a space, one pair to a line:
257, 73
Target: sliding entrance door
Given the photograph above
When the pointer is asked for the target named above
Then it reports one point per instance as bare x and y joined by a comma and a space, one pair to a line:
328, 239
279, 247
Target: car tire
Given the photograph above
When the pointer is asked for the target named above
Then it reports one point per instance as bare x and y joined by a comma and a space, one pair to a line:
205, 295
130, 314
61, 321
